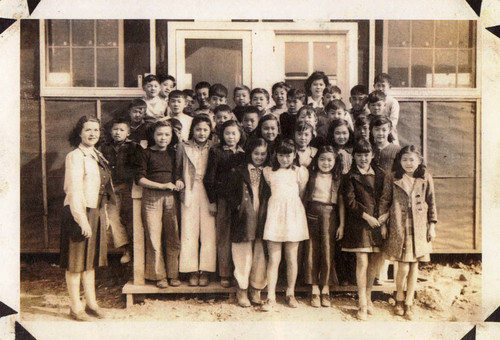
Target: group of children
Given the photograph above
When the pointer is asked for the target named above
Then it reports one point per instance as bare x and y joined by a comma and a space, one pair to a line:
306, 175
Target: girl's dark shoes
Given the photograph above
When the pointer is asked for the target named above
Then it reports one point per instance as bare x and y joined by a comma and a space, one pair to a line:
242, 297
291, 301
203, 279
254, 296
325, 300
399, 308
80, 316
315, 301
162, 283
194, 279
409, 313
97, 313
175, 282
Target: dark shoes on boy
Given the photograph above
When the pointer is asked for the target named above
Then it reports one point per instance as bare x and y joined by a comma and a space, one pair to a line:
242, 297
194, 279
175, 282
225, 282
163, 283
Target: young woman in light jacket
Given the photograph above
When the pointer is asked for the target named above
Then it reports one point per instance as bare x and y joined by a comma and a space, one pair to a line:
87, 185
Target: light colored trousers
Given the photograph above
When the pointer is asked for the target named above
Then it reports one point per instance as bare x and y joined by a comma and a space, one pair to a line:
249, 264
116, 216
198, 249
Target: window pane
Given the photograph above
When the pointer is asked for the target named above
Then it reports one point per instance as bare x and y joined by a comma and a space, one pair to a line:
296, 59
422, 33
325, 57
445, 68
451, 138
136, 50
83, 67
107, 67
296, 83
215, 60
421, 68
59, 60
61, 117
410, 123
82, 32
107, 32
399, 33
446, 33
455, 229
58, 32
465, 68
465, 33
399, 67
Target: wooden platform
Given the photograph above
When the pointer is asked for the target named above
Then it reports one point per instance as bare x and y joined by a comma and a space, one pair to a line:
131, 289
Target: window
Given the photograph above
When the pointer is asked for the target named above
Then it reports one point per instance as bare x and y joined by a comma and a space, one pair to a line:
96, 54
430, 54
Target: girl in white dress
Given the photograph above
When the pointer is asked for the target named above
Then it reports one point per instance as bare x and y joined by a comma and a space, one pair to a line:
286, 219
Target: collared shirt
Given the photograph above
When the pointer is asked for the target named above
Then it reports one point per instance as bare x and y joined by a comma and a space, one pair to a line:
366, 172
237, 149
200, 159
314, 103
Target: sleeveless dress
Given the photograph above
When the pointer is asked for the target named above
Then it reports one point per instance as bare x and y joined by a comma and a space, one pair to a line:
286, 218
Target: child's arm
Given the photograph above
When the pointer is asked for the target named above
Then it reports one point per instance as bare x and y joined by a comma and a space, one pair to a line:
146, 183
303, 177
385, 199
209, 180
179, 160
394, 114
430, 199
340, 231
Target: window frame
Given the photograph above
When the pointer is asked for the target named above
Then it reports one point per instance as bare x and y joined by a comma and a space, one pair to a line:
95, 92
436, 92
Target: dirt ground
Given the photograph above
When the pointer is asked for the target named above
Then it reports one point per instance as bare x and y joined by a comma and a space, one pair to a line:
449, 289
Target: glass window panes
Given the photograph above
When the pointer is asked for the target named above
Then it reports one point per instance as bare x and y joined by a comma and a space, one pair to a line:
107, 33
465, 34
83, 67
325, 57
399, 33
447, 34
82, 32
445, 68
58, 32
59, 60
296, 59
421, 67
107, 68
136, 50
422, 33
399, 63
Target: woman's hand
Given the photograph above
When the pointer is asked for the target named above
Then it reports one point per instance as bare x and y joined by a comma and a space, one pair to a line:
212, 208
86, 231
431, 232
340, 233
179, 185
372, 221
383, 231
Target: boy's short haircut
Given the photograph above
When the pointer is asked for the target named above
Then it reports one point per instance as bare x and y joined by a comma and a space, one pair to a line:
177, 94
261, 91
361, 121
176, 124
218, 90
335, 105
222, 108
361, 146
162, 78
241, 88
381, 77
189, 93
150, 78
137, 103
202, 85
376, 96
294, 94
280, 85
332, 89
359, 90
308, 110
119, 120
249, 110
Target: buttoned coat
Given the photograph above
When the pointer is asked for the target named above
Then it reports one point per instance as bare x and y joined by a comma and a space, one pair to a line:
421, 202
361, 197
246, 223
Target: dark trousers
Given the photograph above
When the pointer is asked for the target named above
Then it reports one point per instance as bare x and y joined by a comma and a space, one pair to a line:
319, 249
223, 238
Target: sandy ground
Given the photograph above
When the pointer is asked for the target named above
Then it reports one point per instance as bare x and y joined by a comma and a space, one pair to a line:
449, 291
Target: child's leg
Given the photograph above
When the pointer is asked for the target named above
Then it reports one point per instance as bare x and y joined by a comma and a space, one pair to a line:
258, 271
88, 281
291, 266
223, 231
242, 259
172, 241
361, 270
190, 236
152, 215
120, 236
402, 273
206, 223
412, 283
274, 250
312, 248
73, 283
374, 261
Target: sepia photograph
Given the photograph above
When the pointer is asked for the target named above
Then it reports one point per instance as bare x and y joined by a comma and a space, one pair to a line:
247, 170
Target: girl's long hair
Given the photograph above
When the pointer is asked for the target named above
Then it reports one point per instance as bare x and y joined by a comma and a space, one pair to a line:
398, 168
252, 144
339, 161
265, 119
285, 146
379, 121
317, 75
201, 118
74, 138
156, 125
227, 124
331, 132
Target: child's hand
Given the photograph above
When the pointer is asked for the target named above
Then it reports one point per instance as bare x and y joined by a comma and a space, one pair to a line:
86, 231
179, 185
212, 208
431, 232
382, 219
340, 233
372, 221
383, 231
169, 186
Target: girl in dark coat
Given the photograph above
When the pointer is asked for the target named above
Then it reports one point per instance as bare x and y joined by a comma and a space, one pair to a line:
248, 215
361, 191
